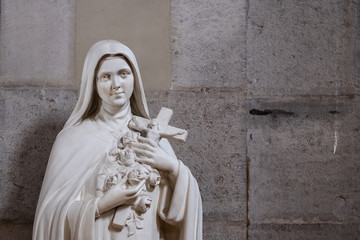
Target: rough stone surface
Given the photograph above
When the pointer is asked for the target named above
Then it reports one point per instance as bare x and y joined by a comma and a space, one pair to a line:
304, 232
215, 149
37, 42
304, 164
142, 25
224, 230
15, 231
31, 119
208, 43
357, 60
301, 47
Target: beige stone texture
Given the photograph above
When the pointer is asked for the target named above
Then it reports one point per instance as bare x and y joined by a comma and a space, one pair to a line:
208, 44
303, 232
142, 25
37, 43
301, 47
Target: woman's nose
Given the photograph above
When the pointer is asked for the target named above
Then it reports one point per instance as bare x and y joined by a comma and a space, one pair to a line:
116, 82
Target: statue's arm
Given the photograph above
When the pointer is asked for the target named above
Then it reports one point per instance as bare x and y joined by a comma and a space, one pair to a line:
118, 196
180, 205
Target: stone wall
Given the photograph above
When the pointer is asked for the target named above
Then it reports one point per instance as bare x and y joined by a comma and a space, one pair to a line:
269, 91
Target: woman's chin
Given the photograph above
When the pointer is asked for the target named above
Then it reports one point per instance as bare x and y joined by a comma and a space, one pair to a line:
118, 100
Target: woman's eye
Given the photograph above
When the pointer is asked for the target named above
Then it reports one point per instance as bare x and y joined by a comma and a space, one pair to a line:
105, 77
124, 74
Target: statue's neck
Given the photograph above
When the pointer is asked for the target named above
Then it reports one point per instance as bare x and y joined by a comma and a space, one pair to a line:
114, 118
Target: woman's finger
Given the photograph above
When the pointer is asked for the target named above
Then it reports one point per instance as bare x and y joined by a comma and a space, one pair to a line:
145, 160
142, 152
138, 193
143, 146
134, 196
147, 140
135, 190
130, 201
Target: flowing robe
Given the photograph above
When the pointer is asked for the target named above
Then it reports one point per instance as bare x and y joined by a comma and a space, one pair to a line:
67, 202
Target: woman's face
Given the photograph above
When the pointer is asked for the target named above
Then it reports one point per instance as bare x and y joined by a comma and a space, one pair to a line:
115, 82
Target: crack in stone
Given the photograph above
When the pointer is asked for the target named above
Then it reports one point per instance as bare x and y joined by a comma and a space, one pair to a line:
269, 111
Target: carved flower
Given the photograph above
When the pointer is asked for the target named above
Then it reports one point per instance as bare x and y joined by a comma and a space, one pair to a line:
126, 139
137, 174
111, 181
113, 154
133, 222
142, 204
154, 179
126, 157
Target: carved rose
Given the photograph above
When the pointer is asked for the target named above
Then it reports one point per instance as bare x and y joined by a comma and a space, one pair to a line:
112, 156
126, 157
126, 139
111, 181
154, 179
142, 204
137, 174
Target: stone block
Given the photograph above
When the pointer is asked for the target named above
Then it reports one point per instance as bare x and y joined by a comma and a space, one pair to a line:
224, 230
304, 163
357, 62
30, 121
37, 42
15, 231
142, 25
304, 232
215, 149
301, 47
208, 44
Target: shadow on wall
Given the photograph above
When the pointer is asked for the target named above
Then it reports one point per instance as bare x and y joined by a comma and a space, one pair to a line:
27, 163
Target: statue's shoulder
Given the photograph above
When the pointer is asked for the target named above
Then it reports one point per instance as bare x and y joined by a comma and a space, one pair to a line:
78, 130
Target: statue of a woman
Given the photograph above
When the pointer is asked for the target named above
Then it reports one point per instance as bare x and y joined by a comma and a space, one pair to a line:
104, 180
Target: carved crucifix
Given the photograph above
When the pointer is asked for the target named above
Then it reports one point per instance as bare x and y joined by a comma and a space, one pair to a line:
154, 129
158, 127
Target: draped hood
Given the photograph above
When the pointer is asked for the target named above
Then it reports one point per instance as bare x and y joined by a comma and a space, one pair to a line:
97, 52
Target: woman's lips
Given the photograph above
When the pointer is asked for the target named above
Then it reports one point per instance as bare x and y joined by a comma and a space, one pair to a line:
117, 92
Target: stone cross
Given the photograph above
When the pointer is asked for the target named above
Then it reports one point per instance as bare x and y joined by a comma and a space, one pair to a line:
158, 127
154, 129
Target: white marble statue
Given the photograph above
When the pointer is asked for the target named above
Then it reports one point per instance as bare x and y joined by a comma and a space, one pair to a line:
105, 181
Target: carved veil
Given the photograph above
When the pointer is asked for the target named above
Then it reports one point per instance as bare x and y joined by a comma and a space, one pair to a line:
96, 52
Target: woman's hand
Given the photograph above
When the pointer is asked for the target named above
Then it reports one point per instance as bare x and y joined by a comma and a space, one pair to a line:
149, 152
117, 196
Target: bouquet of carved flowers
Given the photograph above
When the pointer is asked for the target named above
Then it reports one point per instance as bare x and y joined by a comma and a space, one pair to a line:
122, 170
